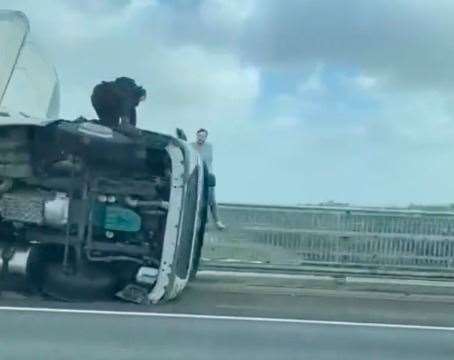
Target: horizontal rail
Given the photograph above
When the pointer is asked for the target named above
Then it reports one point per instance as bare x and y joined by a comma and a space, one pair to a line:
342, 236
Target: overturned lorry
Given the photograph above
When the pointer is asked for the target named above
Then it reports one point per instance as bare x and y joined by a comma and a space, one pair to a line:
86, 211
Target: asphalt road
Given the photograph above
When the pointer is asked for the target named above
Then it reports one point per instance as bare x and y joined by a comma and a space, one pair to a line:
215, 319
45, 335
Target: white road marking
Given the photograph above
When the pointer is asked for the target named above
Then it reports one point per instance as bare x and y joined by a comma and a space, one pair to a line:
221, 317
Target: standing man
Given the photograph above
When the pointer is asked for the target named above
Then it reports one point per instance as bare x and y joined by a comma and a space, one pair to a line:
205, 150
115, 102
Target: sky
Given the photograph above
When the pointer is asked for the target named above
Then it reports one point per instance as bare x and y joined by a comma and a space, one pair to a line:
305, 101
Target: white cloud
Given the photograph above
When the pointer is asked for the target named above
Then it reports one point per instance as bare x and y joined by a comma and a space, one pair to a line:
193, 88
366, 82
228, 13
69, 22
314, 82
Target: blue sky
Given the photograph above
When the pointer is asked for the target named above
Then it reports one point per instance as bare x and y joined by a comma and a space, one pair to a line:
306, 101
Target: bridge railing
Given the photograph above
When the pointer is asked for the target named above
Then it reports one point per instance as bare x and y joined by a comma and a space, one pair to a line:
345, 237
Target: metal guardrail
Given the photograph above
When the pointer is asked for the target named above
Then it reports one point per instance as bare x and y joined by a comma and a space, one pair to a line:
368, 238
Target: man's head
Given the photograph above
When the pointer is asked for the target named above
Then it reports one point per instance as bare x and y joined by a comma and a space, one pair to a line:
201, 136
128, 86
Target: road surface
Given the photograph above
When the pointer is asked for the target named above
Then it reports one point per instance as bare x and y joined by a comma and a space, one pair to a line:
44, 335
215, 320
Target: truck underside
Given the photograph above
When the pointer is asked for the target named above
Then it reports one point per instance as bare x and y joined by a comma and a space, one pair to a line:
83, 208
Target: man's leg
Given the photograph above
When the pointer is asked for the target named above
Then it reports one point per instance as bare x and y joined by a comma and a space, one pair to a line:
214, 209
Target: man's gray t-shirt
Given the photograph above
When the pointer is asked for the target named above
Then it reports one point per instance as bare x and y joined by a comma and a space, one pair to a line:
206, 153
